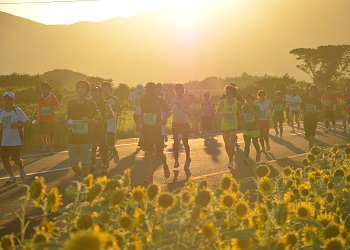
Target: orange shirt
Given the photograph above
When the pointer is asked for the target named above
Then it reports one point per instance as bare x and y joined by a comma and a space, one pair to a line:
46, 105
329, 101
344, 99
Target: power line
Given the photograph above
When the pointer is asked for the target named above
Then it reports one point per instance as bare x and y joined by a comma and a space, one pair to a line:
58, 1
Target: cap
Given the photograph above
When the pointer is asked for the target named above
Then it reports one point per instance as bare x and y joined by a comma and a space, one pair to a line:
207, 93
249, 96
150, 85
139, 88
9, 94
96, 88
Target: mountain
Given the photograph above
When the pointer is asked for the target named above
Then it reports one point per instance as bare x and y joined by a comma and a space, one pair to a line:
163, 46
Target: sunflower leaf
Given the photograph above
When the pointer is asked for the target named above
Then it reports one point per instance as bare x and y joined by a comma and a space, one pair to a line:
306, 221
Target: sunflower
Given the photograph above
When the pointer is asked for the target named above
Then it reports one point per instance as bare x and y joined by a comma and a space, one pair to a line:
308, 234
112, 184
40, 237
287, 171
84, 221
94, 239
152, 191
330, 185
225, 224
335, 243
203, 184
241, 243
138, 193
203, 197
289, 197
228, 199
209, 231
339, 172
88, 180
347, 179
266, 186
332, 230
242, 209
326, 179
116, 197
125, 221
102, 180
126, 177
37, 189
94, 191
225, 182
304, 189
104, 217
311, 157
54, 199
305, 162
330, 197
291, 239
304, 210
319, 204
139, 216
315, 150
166, 200
262, 170
8, 242
235, 186
347, 150
325, 219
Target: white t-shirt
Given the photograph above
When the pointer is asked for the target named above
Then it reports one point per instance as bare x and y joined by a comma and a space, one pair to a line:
292, 101
285, 98
11, 136
136, 97
112, 123
265, 108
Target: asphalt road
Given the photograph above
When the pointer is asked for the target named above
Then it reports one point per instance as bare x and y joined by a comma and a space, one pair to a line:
208, 162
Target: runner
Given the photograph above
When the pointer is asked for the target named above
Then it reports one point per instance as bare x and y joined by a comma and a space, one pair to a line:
329, 100
266, 108
47, 104
12, 121
99, 130
346, 110
310, 107
287, 107
251, 131
230, 109
208, 109
112, 123
135, 99
293, 102
164, 96
180, 125
278, 115
81, 113
240, 99
152, 107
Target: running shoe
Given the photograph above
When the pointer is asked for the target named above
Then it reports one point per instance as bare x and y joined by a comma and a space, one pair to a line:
281, 137
326, 130
116, 158
166, 171
148, 179
11, 180
187, 163
298, 126
258, 156
276, 135
231, 165
23, 175
176, 164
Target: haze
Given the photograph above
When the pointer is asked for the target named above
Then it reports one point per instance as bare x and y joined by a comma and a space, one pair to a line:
175, 43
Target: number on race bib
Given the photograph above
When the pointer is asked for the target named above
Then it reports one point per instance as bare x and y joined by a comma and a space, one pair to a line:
79, 127
149, 118
6, 121
177, 111
310, 108
45, 111
278, 107
229, 117
249, 118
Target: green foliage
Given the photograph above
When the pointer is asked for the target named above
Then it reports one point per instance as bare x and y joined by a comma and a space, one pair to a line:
296, 212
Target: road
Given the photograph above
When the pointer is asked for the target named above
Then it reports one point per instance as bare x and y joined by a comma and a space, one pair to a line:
208, 162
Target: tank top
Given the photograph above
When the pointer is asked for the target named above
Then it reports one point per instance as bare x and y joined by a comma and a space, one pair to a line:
229, 116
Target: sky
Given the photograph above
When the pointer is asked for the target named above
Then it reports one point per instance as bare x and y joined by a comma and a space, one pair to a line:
72, 11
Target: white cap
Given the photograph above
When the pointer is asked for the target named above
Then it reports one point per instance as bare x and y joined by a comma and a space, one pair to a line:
207, 93
10, 94
139, 88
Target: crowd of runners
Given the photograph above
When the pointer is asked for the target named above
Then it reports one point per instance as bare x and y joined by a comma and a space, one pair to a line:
92, 119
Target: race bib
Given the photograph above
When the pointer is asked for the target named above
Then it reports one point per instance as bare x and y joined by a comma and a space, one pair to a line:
311, 108
137, 102
249, 118
149, 118
6, 121
205, 108
278, 107
229, 117
45, 111
177, 111
79, 127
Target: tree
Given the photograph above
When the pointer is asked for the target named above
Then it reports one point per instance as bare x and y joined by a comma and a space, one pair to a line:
325, 64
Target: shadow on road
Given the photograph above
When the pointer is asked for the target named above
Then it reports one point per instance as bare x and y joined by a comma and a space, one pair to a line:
212, 147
